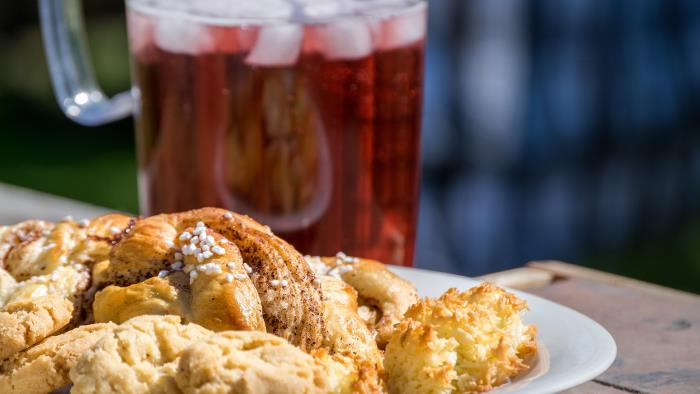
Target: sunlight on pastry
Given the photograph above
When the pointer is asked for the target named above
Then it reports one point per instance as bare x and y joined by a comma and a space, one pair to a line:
463, 342
209, 301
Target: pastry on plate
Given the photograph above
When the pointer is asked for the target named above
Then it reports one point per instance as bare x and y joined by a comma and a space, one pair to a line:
461, 342
350, 337
275, 282
24, 323
139, 356
44, 367
384, 297
209, 301
44, 275
160, 354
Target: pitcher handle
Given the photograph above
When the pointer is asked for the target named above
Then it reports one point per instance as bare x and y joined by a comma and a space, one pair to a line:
74, 84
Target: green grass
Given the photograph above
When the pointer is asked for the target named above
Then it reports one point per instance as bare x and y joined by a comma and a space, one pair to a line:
40, 148
44, 151
672, 260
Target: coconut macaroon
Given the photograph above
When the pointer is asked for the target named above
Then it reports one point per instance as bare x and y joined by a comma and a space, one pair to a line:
463, 342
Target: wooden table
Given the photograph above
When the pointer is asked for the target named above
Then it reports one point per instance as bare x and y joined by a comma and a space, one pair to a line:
657, 329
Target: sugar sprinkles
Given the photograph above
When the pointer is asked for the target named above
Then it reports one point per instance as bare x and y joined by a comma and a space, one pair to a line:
188, 250
342, 257
342, 264
203, 246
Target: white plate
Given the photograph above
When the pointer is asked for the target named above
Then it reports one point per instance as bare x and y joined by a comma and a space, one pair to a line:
573, 349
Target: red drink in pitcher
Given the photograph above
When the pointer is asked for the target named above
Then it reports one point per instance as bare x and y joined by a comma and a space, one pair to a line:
307, 119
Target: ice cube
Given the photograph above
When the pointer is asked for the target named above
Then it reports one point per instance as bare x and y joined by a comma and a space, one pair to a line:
225, 39
376, 29
140, 31
347, 38
403, 30
277, 45
323, 10
178, 35
247, 36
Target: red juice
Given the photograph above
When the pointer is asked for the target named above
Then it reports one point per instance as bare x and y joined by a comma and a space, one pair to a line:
306, 130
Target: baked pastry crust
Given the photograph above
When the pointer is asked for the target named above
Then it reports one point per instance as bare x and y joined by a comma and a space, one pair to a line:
37, 247
383, 295
159, 354
208, 299
464, 342
39, 306
249, 362
45, 273
24, 323
139, 356
44, 367
349, 337
7, 286
171, 288
293, 311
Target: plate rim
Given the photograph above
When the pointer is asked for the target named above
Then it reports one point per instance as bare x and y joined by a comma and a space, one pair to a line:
606, 356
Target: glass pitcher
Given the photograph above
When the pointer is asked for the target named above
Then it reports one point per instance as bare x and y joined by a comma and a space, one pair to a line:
302, 114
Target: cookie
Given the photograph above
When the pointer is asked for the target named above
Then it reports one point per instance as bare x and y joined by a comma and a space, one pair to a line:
44, 367
139, 356
462, 342
34, 248
249, 362
7, 286
24, 323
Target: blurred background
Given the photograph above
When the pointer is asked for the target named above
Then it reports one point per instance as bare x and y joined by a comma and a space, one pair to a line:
552, 129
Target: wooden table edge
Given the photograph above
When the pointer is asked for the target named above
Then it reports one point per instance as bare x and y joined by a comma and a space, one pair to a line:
543, 272
561, 270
